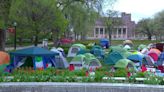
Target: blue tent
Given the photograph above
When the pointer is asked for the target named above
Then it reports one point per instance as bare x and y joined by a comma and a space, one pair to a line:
113, 57
98, 51
160, 61
40, 56
136, 58
104, 42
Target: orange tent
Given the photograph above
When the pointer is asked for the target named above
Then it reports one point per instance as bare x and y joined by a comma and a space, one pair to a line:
4, 58
155, 50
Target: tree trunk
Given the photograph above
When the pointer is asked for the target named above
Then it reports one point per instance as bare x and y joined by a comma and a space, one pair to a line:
36, 38
149, 36
2, 40
109, 34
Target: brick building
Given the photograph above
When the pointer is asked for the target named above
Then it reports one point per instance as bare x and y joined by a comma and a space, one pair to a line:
123, 31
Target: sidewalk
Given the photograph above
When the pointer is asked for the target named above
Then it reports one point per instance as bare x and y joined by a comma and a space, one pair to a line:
23, 47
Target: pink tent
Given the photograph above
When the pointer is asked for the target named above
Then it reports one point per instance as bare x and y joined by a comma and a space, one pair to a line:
153, 55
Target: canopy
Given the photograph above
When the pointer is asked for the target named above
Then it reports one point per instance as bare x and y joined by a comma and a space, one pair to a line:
33, 51
123, 63
79, 45
4, 58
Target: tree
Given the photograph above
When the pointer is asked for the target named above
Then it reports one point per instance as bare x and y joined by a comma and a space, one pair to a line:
111, 21
4, 17
146, 26
159, 25
36, 17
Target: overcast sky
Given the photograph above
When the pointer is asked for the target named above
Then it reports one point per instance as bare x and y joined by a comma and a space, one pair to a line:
139, 8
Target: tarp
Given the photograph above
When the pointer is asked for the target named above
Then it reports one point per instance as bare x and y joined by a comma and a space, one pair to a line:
123, 63
33, 51
113, 57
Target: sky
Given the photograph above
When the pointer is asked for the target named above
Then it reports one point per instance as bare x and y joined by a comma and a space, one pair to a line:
139, 9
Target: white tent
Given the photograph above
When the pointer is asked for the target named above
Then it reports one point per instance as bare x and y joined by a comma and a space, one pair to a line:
74, 49
61, 61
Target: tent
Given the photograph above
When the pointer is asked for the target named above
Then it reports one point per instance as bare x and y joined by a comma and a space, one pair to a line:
136, 57
78, 62
141, 47
118, 48
123, 63
91, 61
127, 47
160, 61
113, 57
4, 60
98, 51
154, 55
74, 49
40, 58
155, 50
104, 42
61, 61
128, 42
148, 60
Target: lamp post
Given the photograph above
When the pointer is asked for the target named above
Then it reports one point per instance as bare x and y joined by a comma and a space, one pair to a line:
15, 35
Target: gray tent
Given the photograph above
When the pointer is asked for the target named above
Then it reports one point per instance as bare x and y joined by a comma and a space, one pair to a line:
61, 61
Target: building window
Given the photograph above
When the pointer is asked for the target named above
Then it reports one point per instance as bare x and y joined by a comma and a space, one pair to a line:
101, 30
124, 30
106, 31
119, 31
114, 32
97, 30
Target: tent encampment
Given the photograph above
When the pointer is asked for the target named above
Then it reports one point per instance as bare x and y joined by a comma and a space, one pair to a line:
124, 63
40, 58
4, 60
74, 49
113, 57
61, 61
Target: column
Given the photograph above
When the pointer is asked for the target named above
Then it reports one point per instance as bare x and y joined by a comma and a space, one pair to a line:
126, 33
122, 35
117, 33
99, 35
103, 32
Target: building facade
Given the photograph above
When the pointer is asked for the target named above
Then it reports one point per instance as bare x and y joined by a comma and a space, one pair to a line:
126, 29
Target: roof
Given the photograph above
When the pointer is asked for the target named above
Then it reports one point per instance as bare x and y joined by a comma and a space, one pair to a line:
34, 51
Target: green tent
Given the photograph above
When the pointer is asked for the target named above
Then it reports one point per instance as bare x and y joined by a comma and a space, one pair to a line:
78, 58
74, 49
141, 47
118, 48
123, 63
113, 57
91, 61
79, 45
